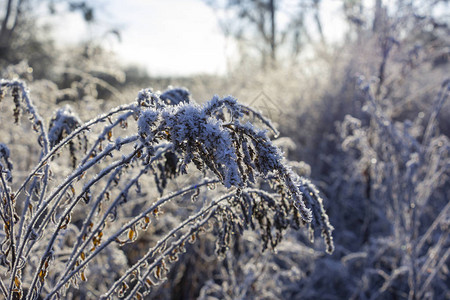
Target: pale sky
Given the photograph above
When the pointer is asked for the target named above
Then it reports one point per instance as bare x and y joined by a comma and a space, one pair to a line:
170, 37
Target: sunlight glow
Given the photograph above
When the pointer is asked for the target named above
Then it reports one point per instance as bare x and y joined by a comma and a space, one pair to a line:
171, 37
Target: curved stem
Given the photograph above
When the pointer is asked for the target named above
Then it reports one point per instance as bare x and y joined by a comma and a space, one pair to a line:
151, 253
66, 276
10, 225
68, 138
75, 202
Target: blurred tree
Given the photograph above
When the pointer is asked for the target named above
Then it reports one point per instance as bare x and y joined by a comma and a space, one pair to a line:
6, 31
257, 18
268, 25
21, 38
11, 22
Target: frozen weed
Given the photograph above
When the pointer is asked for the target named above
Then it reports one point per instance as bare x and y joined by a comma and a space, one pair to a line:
57, 229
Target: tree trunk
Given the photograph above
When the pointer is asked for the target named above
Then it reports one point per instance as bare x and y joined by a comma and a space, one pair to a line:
6, 32
378, 18
273, 45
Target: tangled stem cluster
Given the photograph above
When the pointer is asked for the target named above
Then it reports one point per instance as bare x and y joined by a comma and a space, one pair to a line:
48, 247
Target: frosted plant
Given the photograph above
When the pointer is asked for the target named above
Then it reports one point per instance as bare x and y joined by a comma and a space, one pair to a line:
7, 165
403, 170
59, 230
63, 123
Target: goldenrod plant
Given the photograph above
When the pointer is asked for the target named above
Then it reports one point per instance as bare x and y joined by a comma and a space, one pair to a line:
97, 185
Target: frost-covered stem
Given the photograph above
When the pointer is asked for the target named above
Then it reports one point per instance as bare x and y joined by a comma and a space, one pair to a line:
45, 184
25, 208
43, 224
178, 242
38, 121
78, 130
124, 228
163, 241
37, 234
170, 249
413, 231
384, 123
262, 118
78, 248
69, 209
9, 224
103, 135
312, 194
3, 214
64, 185
83, 168
3, 288
100, 198
28, 200
41, 228
98, 177
283, 172
413, 276
433, 226
433, 274
433, 253
27, 204
38, 125
442, 97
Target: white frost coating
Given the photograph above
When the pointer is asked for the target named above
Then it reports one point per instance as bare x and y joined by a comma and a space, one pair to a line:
62, 123
146, 120
4, 151
206, 133
172, 135
190, 124
217, 136
175, 96
4, 156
